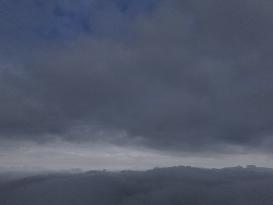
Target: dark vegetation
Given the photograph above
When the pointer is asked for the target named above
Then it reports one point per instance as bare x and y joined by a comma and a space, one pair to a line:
168, 186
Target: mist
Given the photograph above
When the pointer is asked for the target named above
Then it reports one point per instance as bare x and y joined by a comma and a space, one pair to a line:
168, 186
120, 85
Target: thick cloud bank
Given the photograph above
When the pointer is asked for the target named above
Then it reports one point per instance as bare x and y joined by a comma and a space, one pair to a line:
188, 75
168, 186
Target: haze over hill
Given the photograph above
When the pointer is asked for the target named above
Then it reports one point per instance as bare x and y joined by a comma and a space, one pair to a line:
136, 84
168, 186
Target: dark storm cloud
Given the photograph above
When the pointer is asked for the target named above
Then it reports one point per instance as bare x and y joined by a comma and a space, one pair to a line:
187, 75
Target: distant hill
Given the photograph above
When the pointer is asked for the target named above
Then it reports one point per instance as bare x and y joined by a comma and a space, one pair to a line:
160, 186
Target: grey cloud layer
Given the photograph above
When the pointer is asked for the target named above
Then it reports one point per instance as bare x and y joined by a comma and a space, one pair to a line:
190, 75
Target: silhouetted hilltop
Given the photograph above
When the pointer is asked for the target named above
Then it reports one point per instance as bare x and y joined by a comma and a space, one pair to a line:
169, 186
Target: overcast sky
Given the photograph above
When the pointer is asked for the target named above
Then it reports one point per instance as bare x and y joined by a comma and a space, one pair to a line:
135, 84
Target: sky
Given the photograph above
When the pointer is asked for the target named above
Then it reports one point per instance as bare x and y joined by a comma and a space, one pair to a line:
135, 84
